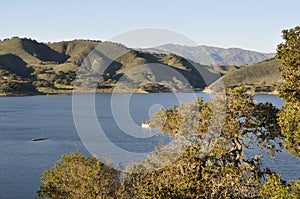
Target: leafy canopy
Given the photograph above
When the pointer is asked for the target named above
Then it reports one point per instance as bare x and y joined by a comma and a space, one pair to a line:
289, 117
215, 160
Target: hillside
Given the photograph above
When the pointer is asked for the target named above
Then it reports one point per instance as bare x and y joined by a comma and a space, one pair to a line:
209, 55
53, 67
30, 51
15, 77
15, 65
29, 67
262, 77
132, 69
75, 50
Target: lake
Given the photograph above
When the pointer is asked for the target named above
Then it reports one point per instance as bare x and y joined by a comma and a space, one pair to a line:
24, 118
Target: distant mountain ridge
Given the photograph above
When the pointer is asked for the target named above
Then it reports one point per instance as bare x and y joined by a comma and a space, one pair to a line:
208, 55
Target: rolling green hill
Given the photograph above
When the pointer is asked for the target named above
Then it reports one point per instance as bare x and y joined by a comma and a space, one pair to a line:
30, 67
53, 67
15, 76
31, 51
14, 64
262, 77
132, 69
75, 51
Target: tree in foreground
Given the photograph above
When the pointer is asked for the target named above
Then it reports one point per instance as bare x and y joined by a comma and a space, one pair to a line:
220, 157
76, 176
274, 187
223, 154
289, 117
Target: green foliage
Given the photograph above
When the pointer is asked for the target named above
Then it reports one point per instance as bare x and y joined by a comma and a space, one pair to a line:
154, 88
76, 176
12, 84
12, 88
275, 188
207, 160
215, 169
289, 118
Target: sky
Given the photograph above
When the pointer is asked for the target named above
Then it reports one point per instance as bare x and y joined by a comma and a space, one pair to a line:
248, 24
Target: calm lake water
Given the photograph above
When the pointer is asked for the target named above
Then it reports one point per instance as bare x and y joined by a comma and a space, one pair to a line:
22, 161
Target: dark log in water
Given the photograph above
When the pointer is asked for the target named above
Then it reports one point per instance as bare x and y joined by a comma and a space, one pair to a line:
39, 139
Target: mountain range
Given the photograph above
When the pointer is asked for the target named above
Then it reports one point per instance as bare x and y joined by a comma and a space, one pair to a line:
209, 55
29, 67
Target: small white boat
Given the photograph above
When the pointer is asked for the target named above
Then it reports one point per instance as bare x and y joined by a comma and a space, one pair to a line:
145, 125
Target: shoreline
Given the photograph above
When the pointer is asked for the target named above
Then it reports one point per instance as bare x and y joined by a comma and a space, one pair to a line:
275, 92
137, 92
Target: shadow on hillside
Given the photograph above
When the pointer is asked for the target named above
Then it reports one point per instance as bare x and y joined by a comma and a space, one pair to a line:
43, 52
15, 65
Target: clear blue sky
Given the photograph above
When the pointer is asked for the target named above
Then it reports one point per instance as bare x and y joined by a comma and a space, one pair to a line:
248, 24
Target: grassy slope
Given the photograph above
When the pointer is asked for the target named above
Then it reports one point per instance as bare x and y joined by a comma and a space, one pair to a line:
263, 76
75, 50
30, 51
14, 64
